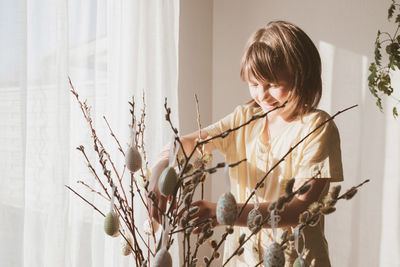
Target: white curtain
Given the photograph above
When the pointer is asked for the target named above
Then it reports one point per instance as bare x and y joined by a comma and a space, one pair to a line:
112, 50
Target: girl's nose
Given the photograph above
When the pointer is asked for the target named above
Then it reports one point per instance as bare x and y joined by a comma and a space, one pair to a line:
262, 92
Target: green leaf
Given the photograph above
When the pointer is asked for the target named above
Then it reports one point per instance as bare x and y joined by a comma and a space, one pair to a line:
379, 103
378, 56
398, 18
395, 114
391, 10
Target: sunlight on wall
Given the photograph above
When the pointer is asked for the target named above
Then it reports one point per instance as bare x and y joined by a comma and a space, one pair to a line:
390, 235
327, 53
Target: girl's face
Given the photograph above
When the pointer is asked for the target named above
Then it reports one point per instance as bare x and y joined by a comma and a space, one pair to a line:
269, 95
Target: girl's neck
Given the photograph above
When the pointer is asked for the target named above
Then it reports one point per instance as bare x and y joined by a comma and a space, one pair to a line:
274, 125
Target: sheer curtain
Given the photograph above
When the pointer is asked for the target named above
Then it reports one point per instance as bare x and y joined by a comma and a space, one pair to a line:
112, 50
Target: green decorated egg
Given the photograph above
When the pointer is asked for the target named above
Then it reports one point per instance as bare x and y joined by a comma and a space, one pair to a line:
111, 224
126, 248
251, 223
227, 210
300, 262
274, 256
162, 259
168, 181
133, 160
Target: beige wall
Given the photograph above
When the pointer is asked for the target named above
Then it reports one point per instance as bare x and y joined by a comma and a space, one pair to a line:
344, 32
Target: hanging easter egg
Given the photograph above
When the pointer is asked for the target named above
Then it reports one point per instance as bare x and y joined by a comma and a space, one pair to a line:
147, 226
127, 247
133, 160
168, 181
274, 256
251, 223
111, 224
162, 259
227, 209
300, 262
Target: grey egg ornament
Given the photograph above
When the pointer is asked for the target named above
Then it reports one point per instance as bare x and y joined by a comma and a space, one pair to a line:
111, 224
251, 218
133, 160
162, 259
274, 256
227, 209
168, 181
300, 262
126, 247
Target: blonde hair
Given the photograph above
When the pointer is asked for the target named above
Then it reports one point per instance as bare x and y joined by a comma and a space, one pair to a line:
282, 51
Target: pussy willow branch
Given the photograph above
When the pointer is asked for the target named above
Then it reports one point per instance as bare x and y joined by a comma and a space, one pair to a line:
308, 222
289, 151
85, 112
114, 136
265, 220
92, 190
96, 209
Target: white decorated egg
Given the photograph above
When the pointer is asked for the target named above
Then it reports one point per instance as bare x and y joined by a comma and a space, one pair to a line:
300, 262
126, 248
168, 181
227, 209
274, 256
251, 218
111, 224
147, 226
133, 160
162, 259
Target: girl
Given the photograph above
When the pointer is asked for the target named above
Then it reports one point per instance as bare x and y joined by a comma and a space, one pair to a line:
280, 64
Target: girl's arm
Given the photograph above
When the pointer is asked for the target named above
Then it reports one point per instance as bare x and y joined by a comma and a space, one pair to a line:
289, 216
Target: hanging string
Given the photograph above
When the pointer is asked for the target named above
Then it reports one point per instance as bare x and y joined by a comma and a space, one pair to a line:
165, 235
273, 221
173, 152
227, 178
133, 136
297, 233
112, 198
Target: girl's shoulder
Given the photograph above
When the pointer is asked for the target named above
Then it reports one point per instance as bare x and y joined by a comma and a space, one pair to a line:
314, 119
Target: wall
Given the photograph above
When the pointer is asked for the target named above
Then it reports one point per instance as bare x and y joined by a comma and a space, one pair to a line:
365, 230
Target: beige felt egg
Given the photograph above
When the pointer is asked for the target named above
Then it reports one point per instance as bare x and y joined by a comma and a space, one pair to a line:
111, 224
299, 262
162, 259
227, 209
147, 226
168, 181
133, 160
251, 218
274, 256
126, 248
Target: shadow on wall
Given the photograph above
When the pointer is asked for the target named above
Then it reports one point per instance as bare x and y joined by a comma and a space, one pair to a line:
354, 232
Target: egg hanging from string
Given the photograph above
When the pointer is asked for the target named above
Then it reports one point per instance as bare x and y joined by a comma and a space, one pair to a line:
133, 160
227, 210
274, 256
127, 246
162, 259
168, 181
300, 262
111, 224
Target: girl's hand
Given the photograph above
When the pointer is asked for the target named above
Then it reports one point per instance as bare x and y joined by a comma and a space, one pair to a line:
159, 199
206, 211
